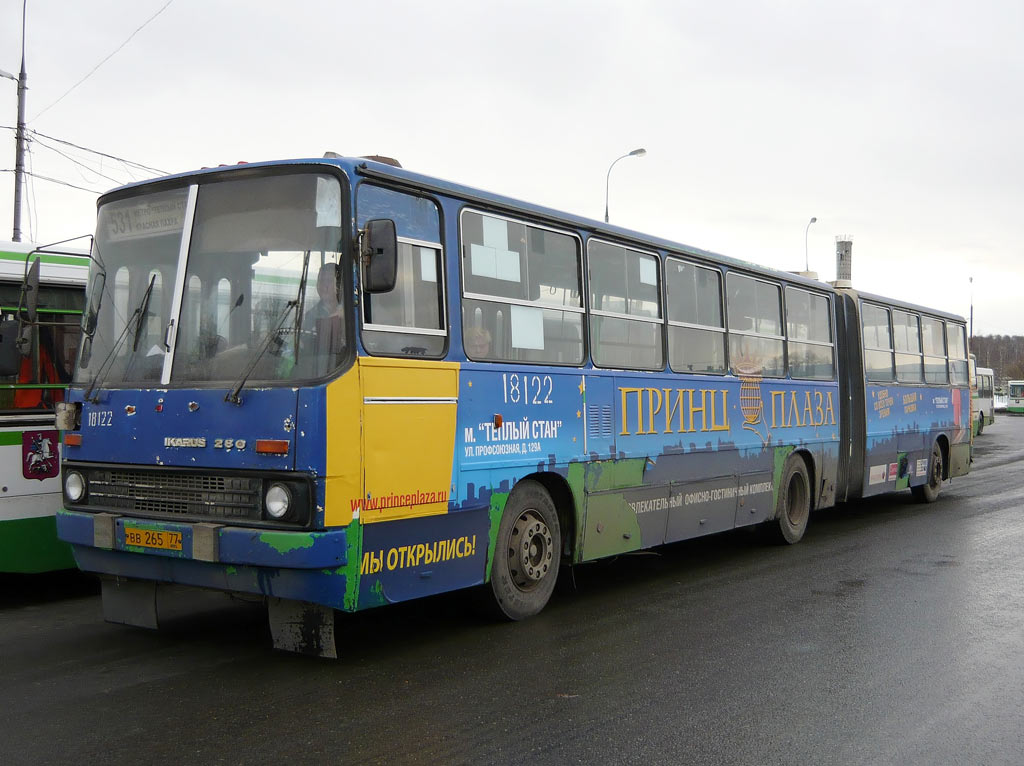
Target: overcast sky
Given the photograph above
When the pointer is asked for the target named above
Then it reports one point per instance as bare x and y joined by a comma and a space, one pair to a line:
896, 123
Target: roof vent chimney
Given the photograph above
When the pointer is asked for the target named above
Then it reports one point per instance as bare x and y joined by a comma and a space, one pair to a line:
844, 262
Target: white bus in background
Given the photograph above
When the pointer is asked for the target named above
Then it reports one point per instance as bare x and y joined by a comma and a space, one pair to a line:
37, 359
983, 398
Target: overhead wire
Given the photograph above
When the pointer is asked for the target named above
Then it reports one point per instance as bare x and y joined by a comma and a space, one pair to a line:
158, 171
127, 164
101, 63
65, 183
79, 164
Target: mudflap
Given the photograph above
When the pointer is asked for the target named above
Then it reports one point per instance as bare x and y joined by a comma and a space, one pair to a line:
129, 602
302, 627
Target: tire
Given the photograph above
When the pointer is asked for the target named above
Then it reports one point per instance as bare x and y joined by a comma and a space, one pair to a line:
929, 492
981, 423
793, 506
527, 553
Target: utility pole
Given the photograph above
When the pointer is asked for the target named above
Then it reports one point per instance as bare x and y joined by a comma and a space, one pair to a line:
19, 148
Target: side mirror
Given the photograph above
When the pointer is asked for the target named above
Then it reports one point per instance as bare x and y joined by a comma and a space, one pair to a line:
10, 358
86, 353
380, 256
30, 290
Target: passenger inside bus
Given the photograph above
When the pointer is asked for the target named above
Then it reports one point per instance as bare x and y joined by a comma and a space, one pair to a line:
327, 292
326, 318
477, 342
51, 371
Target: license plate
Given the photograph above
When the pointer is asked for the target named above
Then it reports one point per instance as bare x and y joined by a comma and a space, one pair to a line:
152, 538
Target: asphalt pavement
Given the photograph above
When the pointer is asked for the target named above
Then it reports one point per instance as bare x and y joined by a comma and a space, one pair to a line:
892, 634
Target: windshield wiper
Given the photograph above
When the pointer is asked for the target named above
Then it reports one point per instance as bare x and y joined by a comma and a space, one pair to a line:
136, 320
232, 396
301, 299
143, 311
292, 305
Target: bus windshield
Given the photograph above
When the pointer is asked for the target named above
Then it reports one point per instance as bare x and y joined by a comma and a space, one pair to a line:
1016, 390
260, 284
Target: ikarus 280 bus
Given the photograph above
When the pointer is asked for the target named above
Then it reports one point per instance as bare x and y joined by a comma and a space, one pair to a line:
338, 384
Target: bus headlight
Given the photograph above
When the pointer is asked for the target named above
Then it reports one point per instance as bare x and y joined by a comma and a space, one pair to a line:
74, 486
278, 501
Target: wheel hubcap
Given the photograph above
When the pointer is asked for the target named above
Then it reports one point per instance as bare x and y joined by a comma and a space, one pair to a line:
530, 550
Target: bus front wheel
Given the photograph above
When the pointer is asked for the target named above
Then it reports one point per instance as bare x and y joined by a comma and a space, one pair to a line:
981, 423
793, 507
527, 553
929, 492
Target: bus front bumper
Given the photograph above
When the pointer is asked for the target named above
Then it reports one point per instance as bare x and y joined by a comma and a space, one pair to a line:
300, 566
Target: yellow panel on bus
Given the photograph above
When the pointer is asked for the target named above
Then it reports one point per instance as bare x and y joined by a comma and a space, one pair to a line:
344, 481
409, 410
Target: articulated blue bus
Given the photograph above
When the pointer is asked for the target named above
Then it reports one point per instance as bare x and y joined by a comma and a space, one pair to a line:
338, 384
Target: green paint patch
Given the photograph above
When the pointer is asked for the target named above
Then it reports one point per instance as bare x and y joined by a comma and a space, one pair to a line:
614, 474
354, 540
498, 501
612, 527
576, 479
286, 542
376, 597
609, 524
780, 455
231, 570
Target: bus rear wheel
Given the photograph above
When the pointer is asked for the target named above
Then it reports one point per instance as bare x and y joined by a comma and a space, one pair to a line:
527, 553
793, 506
929, 492
981, 423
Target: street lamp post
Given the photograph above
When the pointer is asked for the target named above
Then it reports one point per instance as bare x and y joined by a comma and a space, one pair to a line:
970, 334
607, 178
807, 263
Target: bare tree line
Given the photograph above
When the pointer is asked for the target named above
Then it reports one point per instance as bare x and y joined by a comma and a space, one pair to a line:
1003, 353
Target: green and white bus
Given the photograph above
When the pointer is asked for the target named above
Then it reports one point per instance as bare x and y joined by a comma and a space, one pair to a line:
1015, 397
34, 373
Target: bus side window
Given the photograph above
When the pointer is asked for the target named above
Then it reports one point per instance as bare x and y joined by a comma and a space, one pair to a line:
625, 307
877, 340
696, 332
53, 350
755, 326
907, 335
522, 300
410, 319
957, 345
809, 335
934, 345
